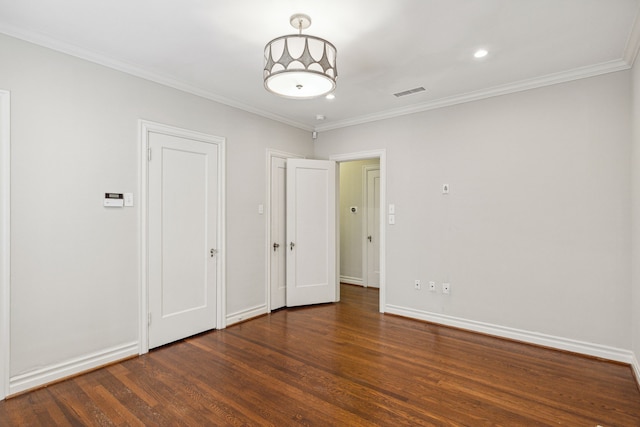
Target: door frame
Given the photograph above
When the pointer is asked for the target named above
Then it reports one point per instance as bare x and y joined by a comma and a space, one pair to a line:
5, 242
271, 154
145, 127
365, 223
382, 156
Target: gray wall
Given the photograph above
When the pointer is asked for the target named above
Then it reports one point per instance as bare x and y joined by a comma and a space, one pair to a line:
74, 137
535, 234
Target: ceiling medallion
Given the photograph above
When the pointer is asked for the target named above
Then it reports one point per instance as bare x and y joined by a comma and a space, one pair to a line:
300, 66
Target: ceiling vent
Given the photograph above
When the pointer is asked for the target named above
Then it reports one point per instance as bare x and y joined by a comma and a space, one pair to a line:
409, 92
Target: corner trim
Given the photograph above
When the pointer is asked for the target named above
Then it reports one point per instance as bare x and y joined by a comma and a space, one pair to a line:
633, 42
636, 368
560, 343
42, 376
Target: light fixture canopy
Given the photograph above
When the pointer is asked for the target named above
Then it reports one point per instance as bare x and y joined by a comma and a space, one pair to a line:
300, 66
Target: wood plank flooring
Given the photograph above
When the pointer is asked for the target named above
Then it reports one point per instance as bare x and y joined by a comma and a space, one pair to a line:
340, 365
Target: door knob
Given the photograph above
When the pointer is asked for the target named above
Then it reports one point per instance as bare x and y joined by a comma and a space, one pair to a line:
369, 238
291, 245
213, 252
276, 246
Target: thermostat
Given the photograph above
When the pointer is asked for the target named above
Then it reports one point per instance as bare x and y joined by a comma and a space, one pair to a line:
113, 200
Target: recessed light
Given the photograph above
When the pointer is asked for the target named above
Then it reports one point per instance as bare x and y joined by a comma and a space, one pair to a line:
480, 53
331, 96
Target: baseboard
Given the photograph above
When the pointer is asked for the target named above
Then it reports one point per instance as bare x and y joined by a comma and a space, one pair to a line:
566, 344
49, 374
243, 315
352, 280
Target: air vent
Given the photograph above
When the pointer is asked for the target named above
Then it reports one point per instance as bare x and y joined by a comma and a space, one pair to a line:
409, 92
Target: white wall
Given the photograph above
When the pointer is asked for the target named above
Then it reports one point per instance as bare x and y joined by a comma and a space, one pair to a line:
74, 285
535, 234
351, 237
635, 199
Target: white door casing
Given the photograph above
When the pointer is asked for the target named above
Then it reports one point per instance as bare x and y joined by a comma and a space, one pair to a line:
311, 232
372, 221
182, 234
5, 243
277, 253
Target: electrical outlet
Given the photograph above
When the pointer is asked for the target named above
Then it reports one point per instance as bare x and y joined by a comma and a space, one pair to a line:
416, 284
432, 286
446, 288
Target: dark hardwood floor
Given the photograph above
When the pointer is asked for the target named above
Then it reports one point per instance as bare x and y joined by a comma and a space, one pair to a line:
340, 365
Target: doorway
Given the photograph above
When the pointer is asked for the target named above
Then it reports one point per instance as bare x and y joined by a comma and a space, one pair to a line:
271, 281
360, 222
182, 234
381, 155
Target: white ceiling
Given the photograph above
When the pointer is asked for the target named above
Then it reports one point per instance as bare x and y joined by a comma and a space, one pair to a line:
214, 48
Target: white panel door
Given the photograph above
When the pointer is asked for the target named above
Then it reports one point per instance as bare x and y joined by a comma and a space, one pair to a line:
278, 232
373, 228
183, 194
311, 232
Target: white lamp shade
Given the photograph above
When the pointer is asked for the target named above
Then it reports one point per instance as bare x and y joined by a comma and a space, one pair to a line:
300, 66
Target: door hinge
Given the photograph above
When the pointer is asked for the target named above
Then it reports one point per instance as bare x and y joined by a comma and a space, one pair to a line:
149, 154
149, 319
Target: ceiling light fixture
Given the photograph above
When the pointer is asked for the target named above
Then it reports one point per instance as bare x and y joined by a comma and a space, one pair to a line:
300, 66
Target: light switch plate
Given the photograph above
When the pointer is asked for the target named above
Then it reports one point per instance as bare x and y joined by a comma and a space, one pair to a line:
392, 219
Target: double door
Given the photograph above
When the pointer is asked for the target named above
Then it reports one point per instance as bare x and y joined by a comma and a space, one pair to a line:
303, 232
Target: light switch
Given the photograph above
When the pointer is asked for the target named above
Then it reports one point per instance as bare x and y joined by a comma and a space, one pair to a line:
392, 219
260, 208
392, 209
128, 199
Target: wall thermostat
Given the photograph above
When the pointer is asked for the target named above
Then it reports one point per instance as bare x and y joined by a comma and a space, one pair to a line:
113, 200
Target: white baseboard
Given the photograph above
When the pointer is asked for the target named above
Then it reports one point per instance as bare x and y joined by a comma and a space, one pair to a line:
239, 316
351, 280
586, 348
42, 376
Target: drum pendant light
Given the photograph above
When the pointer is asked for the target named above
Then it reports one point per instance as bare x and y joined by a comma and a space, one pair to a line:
300, 66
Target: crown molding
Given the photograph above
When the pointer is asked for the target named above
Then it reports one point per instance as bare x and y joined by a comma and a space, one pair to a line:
630, 53
73, 50
548, 80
